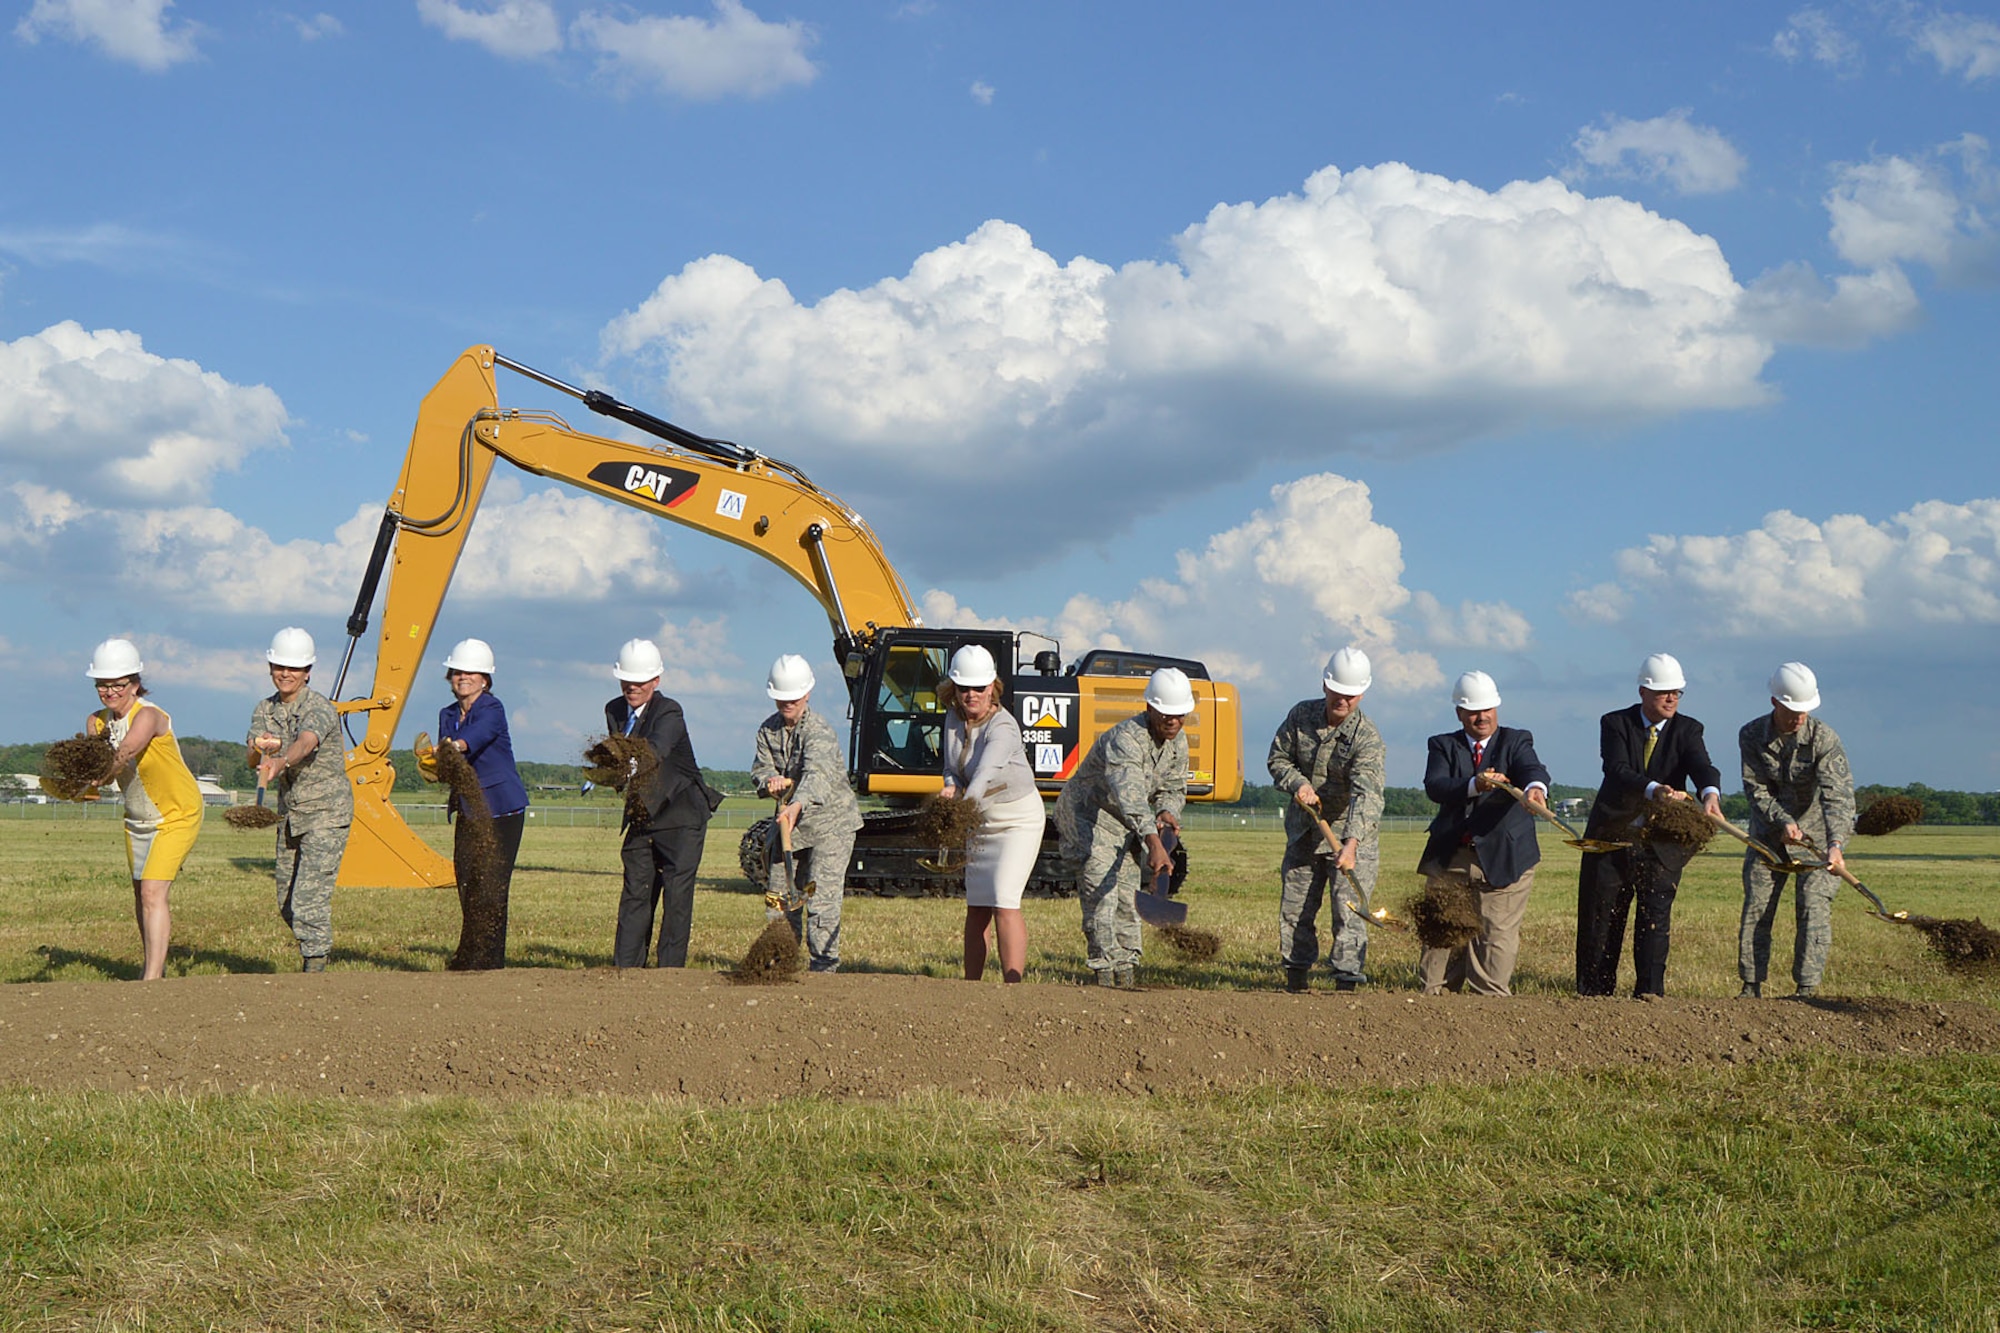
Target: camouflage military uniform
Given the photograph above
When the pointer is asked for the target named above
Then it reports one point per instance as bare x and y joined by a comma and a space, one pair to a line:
823, 840
317, 803
1346, 765
1103, 817
1798, 779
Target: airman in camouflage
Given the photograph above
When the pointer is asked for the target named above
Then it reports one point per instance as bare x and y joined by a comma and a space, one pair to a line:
798, 757
1331, 760
294, 742
1801, 795
1131, 785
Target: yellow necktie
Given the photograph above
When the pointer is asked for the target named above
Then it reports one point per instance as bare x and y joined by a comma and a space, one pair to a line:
1652, 739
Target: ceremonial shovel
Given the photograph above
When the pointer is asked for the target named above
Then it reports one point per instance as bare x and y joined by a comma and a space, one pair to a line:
1575, 839
794, 896
1381, 916
1789, 866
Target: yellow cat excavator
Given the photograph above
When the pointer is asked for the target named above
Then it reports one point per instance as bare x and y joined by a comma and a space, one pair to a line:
890, 660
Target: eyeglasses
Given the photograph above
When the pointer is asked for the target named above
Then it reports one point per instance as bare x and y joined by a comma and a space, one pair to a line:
113, 686
277, 670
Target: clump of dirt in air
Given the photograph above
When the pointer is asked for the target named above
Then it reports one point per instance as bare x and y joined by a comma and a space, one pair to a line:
1197, 946
475, 820
1888, 814
1679, 822
251, 816
75, 766
1963, 946
1446, 913
948, 822
773, 957
627, 764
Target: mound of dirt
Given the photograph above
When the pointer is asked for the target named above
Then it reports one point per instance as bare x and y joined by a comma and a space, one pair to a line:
528, 1032
771, 958
1680, 822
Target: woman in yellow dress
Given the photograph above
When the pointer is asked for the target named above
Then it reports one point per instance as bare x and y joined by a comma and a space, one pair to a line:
162, 802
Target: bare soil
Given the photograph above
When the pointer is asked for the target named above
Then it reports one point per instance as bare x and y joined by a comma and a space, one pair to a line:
535, 1033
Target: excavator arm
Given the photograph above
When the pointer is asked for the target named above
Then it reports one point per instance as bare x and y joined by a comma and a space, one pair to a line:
722, 489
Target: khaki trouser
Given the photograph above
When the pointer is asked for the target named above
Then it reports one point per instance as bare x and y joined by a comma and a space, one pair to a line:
1486, 965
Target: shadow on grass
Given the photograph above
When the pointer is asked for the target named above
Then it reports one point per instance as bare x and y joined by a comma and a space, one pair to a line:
565, 870
179, 960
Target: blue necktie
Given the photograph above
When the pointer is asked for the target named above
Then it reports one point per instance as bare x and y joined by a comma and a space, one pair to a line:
631, 720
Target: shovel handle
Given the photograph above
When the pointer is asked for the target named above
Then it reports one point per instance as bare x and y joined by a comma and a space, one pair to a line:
1541, 811
1770, 857
1844, 873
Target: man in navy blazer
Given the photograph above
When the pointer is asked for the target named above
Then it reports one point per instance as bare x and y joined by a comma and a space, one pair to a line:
1651, 751
667, 824
1482, 835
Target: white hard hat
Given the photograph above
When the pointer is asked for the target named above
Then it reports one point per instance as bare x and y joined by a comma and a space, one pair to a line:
1795, 686
1475, 692
471, 655
639, 660
114, 658
972, 666
791, 678
1168, 691
1348, 672
292, 647
1661, 672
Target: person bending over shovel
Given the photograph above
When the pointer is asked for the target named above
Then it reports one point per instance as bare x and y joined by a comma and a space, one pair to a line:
1331, 759
1131, 785
1482, 835
798, 764
1801, 795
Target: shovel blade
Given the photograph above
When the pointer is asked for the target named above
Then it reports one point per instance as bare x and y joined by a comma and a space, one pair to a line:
1158, 910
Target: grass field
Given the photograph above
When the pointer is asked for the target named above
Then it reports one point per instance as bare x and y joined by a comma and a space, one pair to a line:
66, 915
1816, 1193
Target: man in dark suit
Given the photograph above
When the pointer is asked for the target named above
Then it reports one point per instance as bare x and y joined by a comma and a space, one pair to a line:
667, 824
1650, 751
1482, 835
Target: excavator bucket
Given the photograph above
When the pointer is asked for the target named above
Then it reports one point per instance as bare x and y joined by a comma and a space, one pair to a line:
383, 852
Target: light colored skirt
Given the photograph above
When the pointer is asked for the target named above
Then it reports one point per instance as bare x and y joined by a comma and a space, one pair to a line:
1002, 853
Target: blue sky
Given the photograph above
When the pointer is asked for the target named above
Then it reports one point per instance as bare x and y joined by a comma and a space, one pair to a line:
1528, 341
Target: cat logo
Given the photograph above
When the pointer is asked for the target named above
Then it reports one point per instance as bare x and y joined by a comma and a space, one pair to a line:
662, 485
1045, 710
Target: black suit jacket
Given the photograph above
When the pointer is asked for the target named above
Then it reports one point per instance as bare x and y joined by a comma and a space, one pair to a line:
1680, 757
674, 796
1502, 830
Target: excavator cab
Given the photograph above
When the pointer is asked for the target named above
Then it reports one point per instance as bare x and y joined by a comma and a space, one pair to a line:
896, 721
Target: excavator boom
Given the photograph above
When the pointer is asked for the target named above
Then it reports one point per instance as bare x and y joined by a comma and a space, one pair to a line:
723, 489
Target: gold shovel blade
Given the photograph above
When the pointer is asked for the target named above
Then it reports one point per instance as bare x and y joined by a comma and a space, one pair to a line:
1596, 844
1381, 916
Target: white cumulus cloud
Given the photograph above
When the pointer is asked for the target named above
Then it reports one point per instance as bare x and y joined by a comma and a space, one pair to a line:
732, 54
1964, 44
1925, 209
1263, 603
1693, 159
1934, 565
134, 32
96, 413
982, 92
1378, 308
510, 29
549, 546
1810, 34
